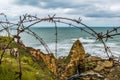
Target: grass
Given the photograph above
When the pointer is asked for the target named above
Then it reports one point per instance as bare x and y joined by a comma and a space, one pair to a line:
30, 69
5, 40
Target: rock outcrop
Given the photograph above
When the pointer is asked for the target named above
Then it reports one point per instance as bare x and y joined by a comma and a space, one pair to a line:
88, 67
75, 58
91, 67
103, 64
45, 60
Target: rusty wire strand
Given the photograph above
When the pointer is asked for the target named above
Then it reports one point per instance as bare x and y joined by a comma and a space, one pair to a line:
29, 18
26, 21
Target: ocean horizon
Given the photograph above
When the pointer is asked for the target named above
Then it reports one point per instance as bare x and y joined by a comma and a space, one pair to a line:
67, 36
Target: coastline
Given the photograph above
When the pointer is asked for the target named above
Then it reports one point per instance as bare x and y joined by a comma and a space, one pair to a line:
92, 67
77, 65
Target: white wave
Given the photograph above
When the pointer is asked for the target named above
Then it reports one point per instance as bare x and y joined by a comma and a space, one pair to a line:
62, 48
112, 44
98, 45
95, 49
86, 40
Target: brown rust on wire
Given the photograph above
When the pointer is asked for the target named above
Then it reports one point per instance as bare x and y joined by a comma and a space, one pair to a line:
26, 21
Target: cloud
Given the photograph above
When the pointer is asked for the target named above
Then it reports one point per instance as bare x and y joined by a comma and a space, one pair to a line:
46, 3
102, 14
89, 10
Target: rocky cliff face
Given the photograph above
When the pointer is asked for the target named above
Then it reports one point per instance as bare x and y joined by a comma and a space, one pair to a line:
75, 58
45, 60
90, 67
77, 52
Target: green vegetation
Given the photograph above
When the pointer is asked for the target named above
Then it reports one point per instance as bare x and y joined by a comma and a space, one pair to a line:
30, 72
68, 59
89, 65
5, 40
30, 69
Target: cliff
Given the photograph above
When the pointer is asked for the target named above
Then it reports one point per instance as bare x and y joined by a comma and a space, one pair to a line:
76, 66
45, 60
75, 58
70, 64
37, 68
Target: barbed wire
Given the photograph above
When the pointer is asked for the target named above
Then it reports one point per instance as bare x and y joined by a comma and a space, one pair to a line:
26, 21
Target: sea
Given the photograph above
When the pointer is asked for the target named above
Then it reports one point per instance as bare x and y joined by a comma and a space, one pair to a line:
66, 36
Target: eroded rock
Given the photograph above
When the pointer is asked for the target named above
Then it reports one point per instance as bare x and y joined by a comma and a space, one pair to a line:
75, 58
108, 64
45, 60
103, 64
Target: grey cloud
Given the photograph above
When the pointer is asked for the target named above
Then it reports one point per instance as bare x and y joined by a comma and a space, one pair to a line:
50, 4
27, 2
102, 14
87, 8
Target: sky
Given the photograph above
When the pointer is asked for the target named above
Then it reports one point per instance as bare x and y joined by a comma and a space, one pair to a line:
92, 12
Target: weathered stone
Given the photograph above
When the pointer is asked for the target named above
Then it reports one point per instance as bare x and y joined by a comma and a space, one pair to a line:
86, 78
114, 73
87, 55
106, 79
77, 51
99, 68
93, 58
103, 64
76, 55
47, 60
108, 64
